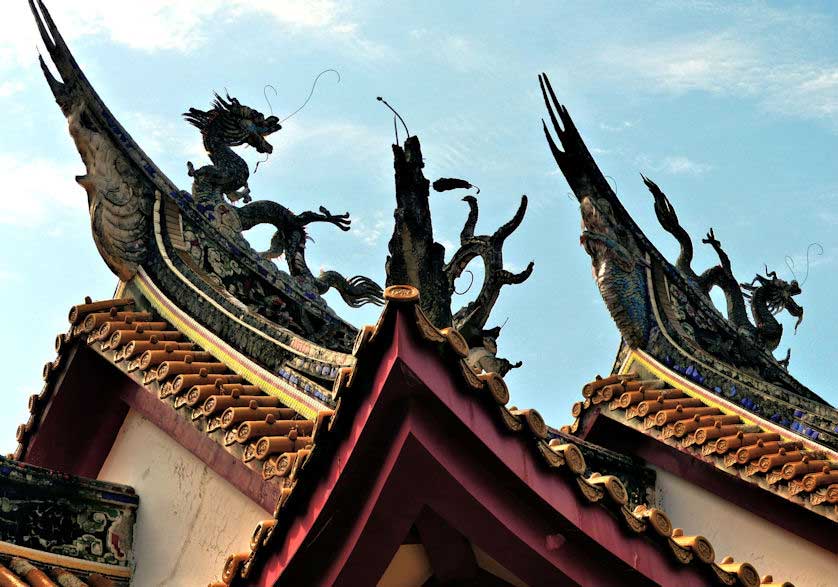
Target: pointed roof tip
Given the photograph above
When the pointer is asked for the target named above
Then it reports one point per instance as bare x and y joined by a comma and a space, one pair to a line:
39, 22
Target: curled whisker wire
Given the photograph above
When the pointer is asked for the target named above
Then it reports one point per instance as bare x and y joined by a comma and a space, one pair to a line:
265, 160
265, 93
465, 291
790, 265
393, 110
311, 92
808, 251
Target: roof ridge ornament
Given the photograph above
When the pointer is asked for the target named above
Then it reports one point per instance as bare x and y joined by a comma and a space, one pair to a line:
416, 259
665, 309
770, 296
141, 220
228, 124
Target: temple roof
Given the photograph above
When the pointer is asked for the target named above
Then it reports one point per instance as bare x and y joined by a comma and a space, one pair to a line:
659, 403
190, 243
248, 365
665, 310
235, 403
561, 455
193, 388
58, 529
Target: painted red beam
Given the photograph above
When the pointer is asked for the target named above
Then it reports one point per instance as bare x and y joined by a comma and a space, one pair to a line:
82, 417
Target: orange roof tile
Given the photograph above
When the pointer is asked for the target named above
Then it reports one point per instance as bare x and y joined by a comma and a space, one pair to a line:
249, 423
777, 462
20, 572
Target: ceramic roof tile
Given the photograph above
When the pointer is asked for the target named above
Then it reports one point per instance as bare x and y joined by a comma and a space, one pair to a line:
19, 572
277, 440
251, 424
775, 460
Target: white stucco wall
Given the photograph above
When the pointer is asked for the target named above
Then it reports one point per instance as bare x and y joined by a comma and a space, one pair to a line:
737, 532
189, 519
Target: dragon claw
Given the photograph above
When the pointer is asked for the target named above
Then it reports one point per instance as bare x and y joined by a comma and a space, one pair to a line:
710, 239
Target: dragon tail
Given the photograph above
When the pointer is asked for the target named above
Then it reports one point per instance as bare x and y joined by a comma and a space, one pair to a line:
355, 291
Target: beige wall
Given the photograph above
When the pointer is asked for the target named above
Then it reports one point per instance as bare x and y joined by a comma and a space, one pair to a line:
745, 536
411, 567
189, 519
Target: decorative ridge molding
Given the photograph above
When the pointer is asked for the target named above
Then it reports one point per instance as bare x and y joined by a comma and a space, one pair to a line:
266, 381
158, 235
716, 401
9, 549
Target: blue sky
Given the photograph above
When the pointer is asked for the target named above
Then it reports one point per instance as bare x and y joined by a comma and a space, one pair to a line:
733, 110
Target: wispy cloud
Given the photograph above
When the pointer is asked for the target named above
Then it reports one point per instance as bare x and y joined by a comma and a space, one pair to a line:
674, 165
459, 52
731, 63
9, 88
158, 135
7, 276
370, 230
156, 25
828, 217
351, 140
618, 127
684, 166
45, 192
721, 63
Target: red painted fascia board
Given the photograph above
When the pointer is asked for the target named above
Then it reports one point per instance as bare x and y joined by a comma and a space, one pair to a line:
83, 414
590, 520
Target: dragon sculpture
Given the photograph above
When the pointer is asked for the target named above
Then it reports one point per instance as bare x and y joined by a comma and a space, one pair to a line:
417, 259
229, 124
664, 311
645, 293
767, 299
191, 244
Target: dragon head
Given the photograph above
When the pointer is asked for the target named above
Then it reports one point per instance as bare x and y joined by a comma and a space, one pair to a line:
789, 290
777, 295
235, 124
